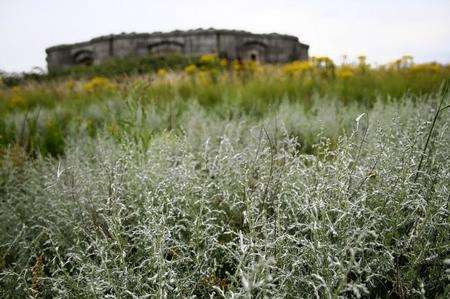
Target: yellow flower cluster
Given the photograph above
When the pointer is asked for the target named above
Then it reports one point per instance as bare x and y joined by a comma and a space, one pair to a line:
431, 68
17, 99
237, 65
98, 84
162, 73
297, 67
345, 72
253, 66
190, 69
204, 78
223, 62
208, 59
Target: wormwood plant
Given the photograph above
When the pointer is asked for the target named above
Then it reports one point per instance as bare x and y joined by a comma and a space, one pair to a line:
233, 208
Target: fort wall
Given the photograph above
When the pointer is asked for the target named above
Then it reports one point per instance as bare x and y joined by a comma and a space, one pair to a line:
230, 44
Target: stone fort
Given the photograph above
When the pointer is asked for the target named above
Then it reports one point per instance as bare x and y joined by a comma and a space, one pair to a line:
228, 44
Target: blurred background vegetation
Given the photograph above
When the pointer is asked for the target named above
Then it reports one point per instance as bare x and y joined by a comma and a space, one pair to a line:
39, 111
184, 177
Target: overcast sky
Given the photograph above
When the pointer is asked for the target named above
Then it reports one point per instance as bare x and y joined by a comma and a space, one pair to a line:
382, 29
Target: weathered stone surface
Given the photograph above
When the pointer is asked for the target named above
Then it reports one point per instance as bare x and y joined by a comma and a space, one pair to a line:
230, 44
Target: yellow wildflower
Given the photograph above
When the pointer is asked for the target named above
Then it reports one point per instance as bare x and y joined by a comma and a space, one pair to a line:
297, 67
252, 66
17, 99
98, 84
190, 69
237, 65
162, 73
345, 72
223, 62
208, 59
204, 78
432, 68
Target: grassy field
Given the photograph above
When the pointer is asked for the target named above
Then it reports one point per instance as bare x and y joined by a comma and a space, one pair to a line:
227, 180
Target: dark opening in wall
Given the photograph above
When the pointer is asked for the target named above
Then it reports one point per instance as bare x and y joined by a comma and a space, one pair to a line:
84, 57
253, 50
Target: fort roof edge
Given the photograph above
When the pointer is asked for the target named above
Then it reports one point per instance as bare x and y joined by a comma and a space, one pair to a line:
131, 35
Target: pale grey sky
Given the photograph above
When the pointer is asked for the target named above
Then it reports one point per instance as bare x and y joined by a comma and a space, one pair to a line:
382, 29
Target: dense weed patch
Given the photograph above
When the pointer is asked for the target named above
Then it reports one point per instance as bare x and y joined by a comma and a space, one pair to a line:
233, 208
37, 114
227, 180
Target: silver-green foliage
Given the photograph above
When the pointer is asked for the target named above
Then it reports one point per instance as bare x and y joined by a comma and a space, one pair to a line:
235, 209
